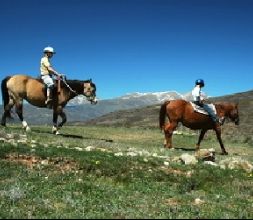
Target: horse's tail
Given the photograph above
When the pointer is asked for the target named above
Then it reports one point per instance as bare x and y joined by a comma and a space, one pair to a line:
5, 95
163, 114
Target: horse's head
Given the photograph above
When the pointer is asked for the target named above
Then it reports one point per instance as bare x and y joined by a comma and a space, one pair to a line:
89, 90
232, 112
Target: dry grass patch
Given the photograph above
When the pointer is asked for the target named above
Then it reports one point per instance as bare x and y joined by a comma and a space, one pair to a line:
60, 163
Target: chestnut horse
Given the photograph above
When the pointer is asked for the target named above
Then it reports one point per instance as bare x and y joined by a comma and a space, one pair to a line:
17, 88
182, 111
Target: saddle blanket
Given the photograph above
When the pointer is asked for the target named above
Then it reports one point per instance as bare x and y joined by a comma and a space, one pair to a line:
199, 109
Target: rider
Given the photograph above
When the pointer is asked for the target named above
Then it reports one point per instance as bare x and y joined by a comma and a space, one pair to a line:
198, 99
47, 72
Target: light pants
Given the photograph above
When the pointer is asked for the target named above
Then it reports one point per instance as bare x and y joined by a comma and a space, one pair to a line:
210, 112
48, 81
208, 109
50, 84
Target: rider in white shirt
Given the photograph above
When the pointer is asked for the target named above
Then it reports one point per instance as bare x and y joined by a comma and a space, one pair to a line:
198, 99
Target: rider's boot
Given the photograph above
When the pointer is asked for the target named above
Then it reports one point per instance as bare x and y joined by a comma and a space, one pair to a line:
221, 120
49, 100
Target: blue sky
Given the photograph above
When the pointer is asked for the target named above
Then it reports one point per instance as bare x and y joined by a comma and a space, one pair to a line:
133, 45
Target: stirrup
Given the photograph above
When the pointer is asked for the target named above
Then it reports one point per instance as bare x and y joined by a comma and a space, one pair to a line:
221, 121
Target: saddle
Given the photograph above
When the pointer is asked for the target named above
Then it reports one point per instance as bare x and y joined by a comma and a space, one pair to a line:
56, 88
54, 92
199, 109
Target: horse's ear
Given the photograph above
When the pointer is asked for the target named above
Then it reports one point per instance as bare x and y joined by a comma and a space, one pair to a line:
90, 80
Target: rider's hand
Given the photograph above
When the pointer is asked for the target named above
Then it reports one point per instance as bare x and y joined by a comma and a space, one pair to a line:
60, 75
205, 101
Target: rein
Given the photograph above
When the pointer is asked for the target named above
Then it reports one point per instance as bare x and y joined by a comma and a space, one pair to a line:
68, 86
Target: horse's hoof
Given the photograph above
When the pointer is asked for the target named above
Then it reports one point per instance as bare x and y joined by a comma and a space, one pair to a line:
224, 153
26, 128
168, 147
54, 129
56, 132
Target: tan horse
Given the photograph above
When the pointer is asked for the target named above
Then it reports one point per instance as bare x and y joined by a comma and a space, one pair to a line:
182, 111
17, 88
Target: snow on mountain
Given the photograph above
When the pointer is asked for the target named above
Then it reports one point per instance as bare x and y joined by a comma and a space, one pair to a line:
79, 109
78, 100
153, 97
147, 97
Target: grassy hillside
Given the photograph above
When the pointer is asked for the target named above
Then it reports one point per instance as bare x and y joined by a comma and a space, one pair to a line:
117, 172
148, 117
145, 117
245, 130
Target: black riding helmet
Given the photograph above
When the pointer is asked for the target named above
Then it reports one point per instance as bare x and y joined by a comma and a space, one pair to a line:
200, 82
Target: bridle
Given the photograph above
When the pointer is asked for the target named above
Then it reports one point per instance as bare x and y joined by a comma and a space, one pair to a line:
89, 98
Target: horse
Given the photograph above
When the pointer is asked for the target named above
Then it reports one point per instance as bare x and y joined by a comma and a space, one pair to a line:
19, 87
182, 111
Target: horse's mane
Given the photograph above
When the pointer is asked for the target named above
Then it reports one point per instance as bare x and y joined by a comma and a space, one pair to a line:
225, 103
74, 84
225, 106
78, 84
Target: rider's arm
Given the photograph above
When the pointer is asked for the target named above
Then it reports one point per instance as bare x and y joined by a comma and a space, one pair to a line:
51, 70
203, 96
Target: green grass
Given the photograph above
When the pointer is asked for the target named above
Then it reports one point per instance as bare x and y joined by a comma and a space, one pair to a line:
68, 182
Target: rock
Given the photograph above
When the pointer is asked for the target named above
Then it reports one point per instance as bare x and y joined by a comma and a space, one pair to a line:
131, 154
2, 139
236, 163
166, 163
79, 149
89, 148
119, 154
211, 163
188, 159
198, 201
44, 162
206, 154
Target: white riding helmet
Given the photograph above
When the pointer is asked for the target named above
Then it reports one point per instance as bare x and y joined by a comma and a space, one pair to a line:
49, 49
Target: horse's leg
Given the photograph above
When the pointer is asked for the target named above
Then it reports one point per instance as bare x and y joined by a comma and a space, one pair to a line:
19, 111
218, 134
168, 131
55, 127
7, 110
64, 119
201, 136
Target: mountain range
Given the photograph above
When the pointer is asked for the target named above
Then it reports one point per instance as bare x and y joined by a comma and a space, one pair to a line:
125, 110
79, 109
